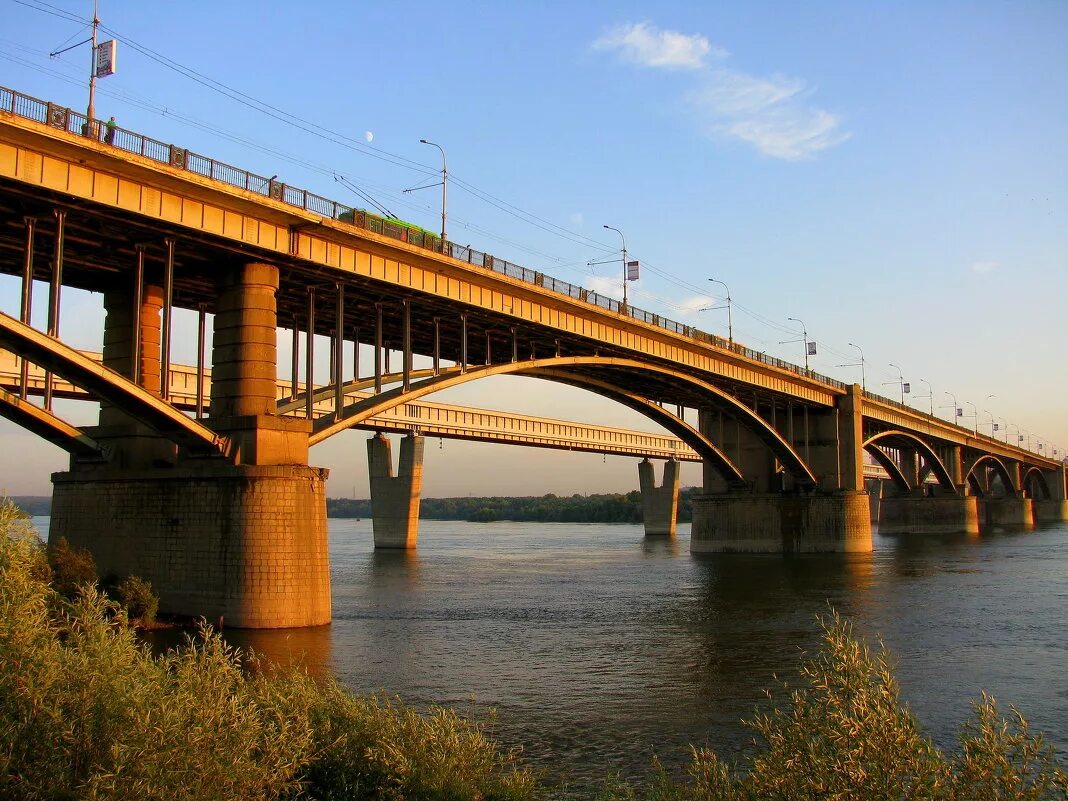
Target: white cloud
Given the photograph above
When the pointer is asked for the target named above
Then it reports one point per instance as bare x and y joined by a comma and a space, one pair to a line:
688, 307
773, 114
982, 267
648, 46
577, 218
603, 285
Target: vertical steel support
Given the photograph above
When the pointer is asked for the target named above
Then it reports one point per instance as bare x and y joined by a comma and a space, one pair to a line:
515, 346
558, 349
309, 357
168, 297
54, 290
138, 299
339, 351
463, 343
26, 309
489, 349
201, 329
294, 366
385, 357
406, 347
356, 354
378, 348
805, 409
437, 345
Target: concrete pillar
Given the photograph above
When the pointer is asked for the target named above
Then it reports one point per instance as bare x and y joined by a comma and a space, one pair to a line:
709, 423
132, 443
953, 458
243, 371
944, 514
1015, 479
910, 469
659, 504
1007, 512
395, 499
837, 523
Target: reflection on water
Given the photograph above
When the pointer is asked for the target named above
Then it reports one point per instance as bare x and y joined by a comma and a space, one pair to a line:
599, 648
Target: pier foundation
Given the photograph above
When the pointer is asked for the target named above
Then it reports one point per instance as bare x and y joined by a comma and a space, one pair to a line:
838, 523
947, 514
1007, 512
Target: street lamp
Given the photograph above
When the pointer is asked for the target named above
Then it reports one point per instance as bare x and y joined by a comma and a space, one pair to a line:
730, 324
863, 380
610, 228
975, 417
900, 382
993, 425
930, 393
444, 188
956, 408
804, 338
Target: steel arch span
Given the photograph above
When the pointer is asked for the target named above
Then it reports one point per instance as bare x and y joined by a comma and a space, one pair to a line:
999, 467
583, 371
930, 458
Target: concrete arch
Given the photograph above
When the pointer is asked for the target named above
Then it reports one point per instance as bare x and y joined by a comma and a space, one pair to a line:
1035, 483
107, 385
566, 369
930, 458
891, 467
999, 467
50, 427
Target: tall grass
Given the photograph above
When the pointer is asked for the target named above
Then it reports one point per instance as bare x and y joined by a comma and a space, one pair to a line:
86, 711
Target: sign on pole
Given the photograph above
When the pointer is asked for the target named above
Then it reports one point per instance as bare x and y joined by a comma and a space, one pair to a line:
632, 271
906, 388
105, 59
960, 412
811, 349
995, 426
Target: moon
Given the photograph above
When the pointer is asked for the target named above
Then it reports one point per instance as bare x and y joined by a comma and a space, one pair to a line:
368, 135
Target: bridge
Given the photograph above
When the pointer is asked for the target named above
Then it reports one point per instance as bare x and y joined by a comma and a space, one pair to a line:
221, 509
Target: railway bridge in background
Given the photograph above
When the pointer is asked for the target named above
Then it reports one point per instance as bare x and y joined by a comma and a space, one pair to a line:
221, 509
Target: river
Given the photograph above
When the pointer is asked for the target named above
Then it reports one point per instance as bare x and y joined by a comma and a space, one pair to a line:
598, 648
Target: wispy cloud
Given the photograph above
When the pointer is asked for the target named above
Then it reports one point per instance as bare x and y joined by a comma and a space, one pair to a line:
577, 218
773, 114
646, 45
603, 285
982, 267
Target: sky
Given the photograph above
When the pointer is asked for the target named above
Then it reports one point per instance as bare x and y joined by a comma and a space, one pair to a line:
894, 175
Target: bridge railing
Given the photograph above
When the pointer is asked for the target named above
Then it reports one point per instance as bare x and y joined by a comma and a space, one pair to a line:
69, 120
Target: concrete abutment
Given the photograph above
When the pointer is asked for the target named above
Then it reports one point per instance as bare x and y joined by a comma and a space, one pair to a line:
1007, 512
395, 498
946, 514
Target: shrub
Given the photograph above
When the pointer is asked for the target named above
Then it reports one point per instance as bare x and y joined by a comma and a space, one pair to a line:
72, 568
135, 595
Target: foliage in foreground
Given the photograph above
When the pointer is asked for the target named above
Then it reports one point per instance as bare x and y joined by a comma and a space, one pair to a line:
87, 712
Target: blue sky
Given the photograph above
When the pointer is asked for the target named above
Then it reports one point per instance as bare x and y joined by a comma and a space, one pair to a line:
893, 174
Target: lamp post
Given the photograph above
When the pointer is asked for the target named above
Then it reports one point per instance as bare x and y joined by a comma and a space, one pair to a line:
992, 423
975, 417
863, 380
955, 406
610, 228
930, 393
900, 382
730, 324
1019, 434
444, 188
804, 338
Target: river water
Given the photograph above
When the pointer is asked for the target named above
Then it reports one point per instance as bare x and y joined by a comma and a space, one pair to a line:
598, 648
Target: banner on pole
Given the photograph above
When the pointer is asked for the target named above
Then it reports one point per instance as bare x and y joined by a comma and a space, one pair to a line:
906, 388
105, 59
632, 271
810, 348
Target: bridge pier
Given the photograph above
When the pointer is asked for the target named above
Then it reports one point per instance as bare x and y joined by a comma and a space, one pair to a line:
240, 535
1011, 512
395, 499
1053, 509
938, 514
659, 504
837, 523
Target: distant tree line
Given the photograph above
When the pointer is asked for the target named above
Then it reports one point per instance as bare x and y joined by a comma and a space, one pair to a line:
609, 508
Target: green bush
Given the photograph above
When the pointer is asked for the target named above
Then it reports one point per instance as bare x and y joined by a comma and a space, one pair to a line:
135, 595
72, 568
